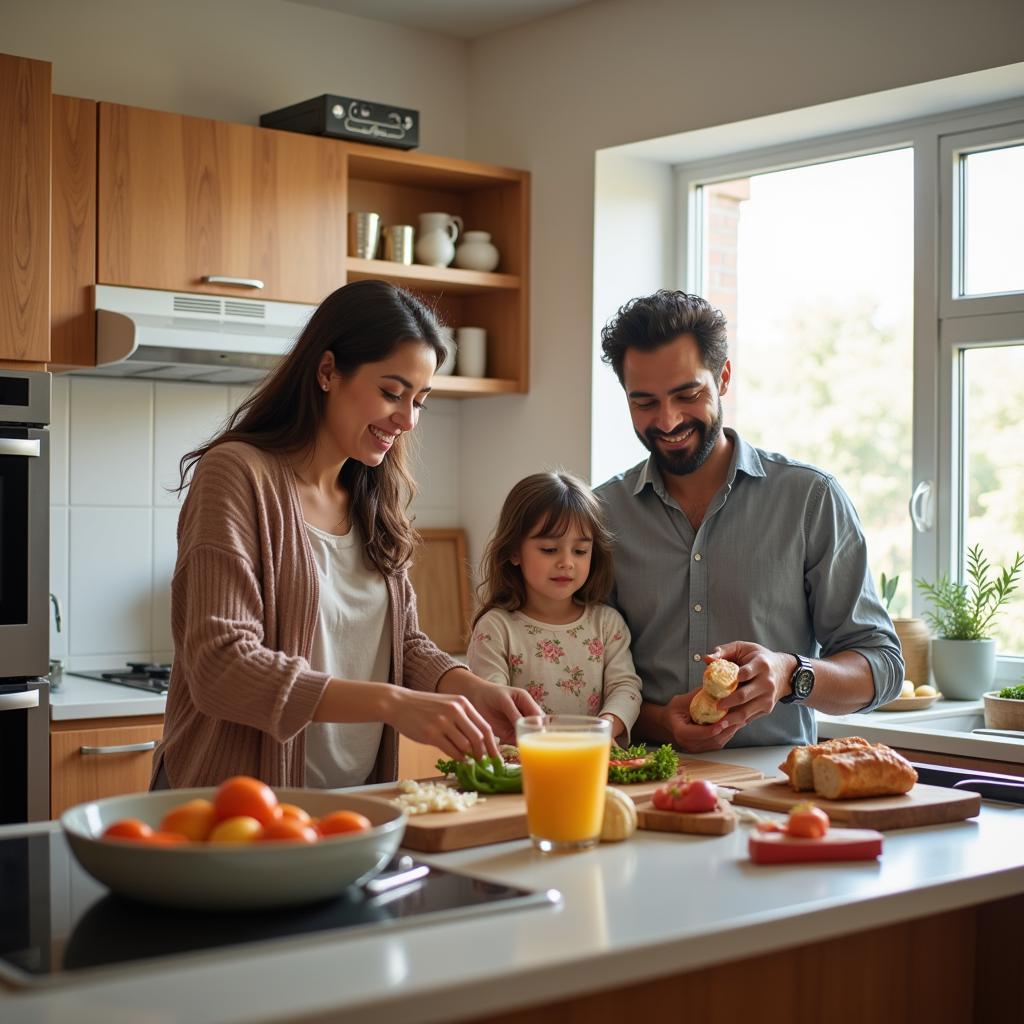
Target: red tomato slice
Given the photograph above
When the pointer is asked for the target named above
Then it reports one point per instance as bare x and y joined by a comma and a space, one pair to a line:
632, 762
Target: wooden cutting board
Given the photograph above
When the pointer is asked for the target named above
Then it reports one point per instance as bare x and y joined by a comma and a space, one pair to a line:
718, 822
923, 805
501, 818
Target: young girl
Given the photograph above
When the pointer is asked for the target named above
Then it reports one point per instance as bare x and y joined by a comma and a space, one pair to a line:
542, 625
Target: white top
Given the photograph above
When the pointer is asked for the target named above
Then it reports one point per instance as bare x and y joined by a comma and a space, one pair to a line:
352, 641
581, 668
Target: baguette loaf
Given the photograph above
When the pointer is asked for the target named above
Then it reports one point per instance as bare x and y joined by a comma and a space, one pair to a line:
798, 765
870, 771
720, 677
704, 709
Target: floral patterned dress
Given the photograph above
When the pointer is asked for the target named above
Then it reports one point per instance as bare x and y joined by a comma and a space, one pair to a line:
580, 668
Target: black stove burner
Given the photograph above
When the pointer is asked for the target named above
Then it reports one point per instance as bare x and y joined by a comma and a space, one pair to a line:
141, 675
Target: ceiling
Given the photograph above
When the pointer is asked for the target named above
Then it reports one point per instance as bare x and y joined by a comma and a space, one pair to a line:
464, 19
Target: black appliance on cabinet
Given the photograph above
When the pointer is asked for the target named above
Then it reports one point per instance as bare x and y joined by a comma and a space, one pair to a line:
24, 595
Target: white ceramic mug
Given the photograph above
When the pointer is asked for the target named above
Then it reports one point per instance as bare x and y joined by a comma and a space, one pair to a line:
472, 357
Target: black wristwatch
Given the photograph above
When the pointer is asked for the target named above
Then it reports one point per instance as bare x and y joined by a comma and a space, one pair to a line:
801, 682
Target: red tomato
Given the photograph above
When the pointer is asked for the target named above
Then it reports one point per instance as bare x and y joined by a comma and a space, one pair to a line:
243, 796
694, 797
290, 829
338, 822
128, 828
806, 821
165, 839
193, 820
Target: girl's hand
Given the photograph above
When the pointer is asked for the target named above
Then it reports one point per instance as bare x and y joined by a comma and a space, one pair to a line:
444, 720
618, 728
501, 706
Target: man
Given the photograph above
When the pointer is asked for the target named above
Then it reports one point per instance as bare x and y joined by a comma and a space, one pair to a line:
726, 550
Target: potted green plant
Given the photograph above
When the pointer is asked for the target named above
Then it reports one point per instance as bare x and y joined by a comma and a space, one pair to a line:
1004, 709
912, 634
963, 652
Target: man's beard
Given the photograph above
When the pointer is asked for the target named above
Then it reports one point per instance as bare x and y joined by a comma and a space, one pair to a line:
679, 463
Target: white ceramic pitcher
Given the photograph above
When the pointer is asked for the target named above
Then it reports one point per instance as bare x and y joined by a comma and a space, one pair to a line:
435, 243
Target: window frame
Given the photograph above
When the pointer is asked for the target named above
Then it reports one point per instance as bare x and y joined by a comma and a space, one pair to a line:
943, 326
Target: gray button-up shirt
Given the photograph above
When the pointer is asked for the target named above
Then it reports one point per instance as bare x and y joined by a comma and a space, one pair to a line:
779, 559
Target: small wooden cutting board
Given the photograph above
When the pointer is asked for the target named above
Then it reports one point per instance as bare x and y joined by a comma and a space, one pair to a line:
923, 805
500, 818
711, 823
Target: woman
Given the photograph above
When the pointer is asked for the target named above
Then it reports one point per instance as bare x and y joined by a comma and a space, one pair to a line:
291, 610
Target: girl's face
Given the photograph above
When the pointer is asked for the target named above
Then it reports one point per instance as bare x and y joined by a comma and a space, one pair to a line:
554, 568
368, 409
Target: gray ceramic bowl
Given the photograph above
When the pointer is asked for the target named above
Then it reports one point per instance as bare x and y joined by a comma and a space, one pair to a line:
231, 876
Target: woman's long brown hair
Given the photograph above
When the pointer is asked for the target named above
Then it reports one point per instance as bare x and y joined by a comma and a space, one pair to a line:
544, 505
362, 322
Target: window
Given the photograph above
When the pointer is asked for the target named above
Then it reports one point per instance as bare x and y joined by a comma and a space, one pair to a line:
875, 282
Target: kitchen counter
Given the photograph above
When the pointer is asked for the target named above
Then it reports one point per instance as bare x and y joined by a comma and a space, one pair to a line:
655, 906
89, 698
944, 728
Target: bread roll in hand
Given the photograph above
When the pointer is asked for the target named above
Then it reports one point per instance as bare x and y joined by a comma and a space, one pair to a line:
720, 677
704, 709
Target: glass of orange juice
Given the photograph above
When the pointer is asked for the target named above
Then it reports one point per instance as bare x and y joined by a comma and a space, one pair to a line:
565, 771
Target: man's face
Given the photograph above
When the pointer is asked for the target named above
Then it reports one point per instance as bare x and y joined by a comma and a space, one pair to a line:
675, 403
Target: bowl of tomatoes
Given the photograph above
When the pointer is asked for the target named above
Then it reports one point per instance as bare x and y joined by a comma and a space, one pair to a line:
237, 846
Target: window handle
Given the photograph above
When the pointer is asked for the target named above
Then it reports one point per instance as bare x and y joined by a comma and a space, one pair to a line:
921, 507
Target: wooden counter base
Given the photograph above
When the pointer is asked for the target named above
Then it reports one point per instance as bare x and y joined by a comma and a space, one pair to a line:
954, 967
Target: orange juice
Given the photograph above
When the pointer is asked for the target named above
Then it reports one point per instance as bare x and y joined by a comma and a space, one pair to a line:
564, 778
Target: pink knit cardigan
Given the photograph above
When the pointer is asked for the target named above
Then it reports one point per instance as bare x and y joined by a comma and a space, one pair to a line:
244, 601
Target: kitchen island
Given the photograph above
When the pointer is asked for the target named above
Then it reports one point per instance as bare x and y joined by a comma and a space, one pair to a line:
662, 925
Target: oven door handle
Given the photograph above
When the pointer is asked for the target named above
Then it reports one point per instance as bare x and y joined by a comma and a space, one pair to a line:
20, 446
120, 748
19, 700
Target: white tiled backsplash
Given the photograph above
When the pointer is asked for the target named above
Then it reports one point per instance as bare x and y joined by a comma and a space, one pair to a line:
115, 448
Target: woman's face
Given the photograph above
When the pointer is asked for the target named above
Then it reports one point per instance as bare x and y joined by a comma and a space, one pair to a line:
368, 409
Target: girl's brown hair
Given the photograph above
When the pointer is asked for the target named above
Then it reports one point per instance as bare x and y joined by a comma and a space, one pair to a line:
544, 505
362, 322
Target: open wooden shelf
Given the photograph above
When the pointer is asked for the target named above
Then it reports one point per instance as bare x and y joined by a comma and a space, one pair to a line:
472, 387
446, 279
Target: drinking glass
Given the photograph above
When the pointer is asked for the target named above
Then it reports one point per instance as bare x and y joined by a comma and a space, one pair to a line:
565, 771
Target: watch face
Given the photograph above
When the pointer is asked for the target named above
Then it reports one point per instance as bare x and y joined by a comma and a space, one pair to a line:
803, 683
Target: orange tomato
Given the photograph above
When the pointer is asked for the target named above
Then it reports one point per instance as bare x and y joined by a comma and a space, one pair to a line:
240, 829
244, 796
128, 828
165, 839
290, 829
807, 821
292, 811
338, 822
193, 820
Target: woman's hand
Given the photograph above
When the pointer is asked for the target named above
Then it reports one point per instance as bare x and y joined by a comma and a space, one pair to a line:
500, 705
444, 720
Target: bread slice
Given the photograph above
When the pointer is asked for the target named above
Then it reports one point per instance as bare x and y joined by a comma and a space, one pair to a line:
870, 771
720, 677
704, 709
798, 766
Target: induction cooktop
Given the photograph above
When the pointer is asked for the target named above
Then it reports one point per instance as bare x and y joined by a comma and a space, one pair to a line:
58, 924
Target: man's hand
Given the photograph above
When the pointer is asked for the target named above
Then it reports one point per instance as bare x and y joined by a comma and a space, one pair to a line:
763, 678
690, 736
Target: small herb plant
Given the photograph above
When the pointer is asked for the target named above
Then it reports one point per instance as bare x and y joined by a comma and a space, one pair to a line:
1012, 693
888, 588
965, 611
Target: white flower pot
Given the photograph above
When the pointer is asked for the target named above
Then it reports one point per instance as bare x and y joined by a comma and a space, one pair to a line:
963, 669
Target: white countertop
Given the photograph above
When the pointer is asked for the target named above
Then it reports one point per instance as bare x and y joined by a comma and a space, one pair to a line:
922, 730
655, 905
90, 698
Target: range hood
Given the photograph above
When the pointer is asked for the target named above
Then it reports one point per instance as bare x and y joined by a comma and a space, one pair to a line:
157, 335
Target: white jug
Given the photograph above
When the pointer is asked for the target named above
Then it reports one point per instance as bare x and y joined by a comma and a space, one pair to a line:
435, 244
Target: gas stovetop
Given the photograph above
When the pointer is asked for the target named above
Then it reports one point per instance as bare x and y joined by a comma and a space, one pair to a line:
58, 924
139, 674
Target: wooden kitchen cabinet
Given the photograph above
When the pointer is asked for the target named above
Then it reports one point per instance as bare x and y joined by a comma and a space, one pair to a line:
87, 764
24, 212
182, 199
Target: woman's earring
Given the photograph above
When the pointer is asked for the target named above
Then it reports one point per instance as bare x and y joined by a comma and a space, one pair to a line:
325, 385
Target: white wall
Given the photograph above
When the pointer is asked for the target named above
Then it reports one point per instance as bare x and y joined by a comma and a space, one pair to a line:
618, 71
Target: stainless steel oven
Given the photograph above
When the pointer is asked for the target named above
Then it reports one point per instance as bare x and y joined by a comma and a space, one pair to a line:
24, 594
